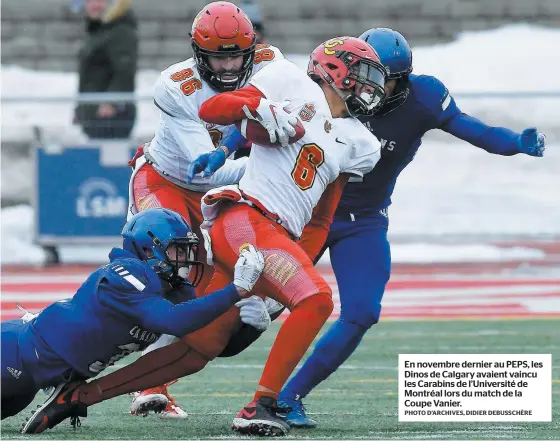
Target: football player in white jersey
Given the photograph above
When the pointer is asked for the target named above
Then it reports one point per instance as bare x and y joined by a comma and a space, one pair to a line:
285, 188
225, 57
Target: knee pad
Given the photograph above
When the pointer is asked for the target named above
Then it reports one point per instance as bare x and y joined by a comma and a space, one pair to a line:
366, 316
320, 304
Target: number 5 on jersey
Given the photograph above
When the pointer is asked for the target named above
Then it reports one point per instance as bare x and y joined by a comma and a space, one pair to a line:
191, 85
310, 158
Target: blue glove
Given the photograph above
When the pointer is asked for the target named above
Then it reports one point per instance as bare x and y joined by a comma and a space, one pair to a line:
532, 142
206, 163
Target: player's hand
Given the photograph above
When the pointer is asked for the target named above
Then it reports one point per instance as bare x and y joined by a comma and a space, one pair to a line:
248, 268
253, 312
279, 124
532, 142
206, 163
273, 307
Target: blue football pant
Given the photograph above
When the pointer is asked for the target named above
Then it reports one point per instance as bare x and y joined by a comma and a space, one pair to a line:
361, 261
18, 387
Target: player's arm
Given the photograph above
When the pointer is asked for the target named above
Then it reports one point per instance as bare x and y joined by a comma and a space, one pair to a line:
136, 293
316, 231
496, 140
250, 331
229, 107
258, 102
157, 314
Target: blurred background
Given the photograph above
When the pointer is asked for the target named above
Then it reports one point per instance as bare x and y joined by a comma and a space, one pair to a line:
457, 211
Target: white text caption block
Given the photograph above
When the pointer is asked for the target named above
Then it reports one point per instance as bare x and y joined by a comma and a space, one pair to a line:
475, 387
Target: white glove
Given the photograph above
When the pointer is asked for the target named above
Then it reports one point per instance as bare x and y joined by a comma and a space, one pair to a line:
272, 306
253, 313
248, 268
278, 123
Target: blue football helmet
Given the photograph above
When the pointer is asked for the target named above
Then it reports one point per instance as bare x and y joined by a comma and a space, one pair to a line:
395, 54
164, 240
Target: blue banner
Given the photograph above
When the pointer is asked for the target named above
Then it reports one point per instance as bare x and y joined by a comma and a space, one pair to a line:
81, 193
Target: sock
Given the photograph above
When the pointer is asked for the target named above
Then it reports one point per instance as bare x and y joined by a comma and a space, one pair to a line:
331, 351
153, 369
294, 338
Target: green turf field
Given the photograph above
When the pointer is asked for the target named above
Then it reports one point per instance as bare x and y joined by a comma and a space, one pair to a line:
359, 401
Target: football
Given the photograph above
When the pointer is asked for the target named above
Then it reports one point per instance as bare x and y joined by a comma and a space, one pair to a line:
254, 132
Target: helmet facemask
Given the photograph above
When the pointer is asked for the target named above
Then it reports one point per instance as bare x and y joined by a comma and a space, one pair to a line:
363, 88
176, 259
219, 80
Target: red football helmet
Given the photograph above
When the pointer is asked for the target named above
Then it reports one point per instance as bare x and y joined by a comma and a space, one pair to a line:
221, 29
349, 64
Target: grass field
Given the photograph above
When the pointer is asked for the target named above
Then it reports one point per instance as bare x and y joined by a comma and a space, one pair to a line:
358, 402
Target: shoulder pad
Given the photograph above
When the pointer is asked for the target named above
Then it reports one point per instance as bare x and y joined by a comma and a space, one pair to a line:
168, 95
431, 92
264, 55
131, 275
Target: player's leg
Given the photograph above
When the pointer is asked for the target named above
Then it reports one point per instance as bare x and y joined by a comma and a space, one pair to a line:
360, 257
288, 277
150, 190
18, 387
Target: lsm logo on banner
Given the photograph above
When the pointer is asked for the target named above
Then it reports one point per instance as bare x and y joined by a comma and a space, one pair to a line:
98, 198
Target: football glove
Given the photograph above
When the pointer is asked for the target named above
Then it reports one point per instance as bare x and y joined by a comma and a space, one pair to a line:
532, 142
248, 268
253, 312
206, 163
279, 124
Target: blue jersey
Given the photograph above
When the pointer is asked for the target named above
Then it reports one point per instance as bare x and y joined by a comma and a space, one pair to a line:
118, 310
428, 106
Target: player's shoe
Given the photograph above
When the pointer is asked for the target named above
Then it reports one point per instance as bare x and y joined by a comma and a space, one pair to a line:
297, 417
63, 403
172, 410
262, 418
157, 400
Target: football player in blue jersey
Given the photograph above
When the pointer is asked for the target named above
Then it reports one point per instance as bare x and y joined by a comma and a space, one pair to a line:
121, 308
359, 250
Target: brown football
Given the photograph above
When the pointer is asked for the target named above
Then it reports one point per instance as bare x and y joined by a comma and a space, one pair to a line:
254, 132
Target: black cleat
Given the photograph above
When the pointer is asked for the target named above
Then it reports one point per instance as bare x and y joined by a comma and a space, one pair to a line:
63, 403
262, 418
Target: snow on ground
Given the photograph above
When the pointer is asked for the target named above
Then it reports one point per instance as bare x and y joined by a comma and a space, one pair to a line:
17, 247
475, 62
450, 189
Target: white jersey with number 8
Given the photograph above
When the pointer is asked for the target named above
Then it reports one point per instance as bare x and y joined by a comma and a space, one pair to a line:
181, 136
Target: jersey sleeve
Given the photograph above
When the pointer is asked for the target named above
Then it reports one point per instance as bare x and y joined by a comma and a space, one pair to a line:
366, 152
266, 54
277, 79
438, 100
132, 290
180, 115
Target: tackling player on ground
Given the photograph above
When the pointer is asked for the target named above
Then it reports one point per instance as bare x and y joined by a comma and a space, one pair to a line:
359, 250
121, 308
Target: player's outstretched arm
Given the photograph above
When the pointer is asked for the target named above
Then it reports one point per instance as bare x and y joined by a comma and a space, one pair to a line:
157, 314
316, 231
250, 103
497, 140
